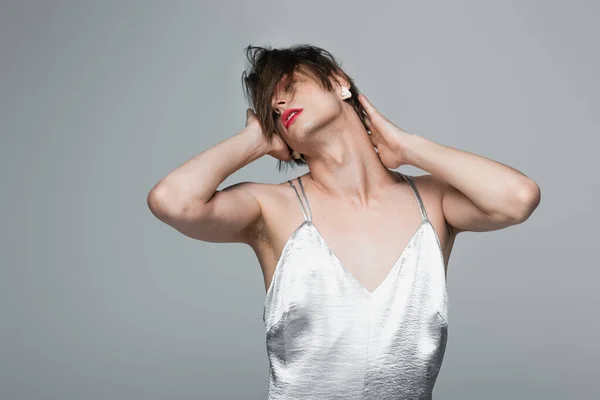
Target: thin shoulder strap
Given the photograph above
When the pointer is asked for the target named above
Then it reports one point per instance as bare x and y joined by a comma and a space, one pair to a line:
416, 192
305, 208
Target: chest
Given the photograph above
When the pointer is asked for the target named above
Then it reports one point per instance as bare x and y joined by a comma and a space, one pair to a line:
311, 282
370, 253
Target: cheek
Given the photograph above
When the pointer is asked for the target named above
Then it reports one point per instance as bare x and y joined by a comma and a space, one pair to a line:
322, 102
320, 110
329, 107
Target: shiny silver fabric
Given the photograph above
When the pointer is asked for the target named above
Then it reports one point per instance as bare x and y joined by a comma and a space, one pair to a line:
328, 337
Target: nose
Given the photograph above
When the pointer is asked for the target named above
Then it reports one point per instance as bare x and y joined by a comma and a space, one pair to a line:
280, 106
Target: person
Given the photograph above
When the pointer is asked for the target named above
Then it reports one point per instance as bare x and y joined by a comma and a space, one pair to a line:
354, 254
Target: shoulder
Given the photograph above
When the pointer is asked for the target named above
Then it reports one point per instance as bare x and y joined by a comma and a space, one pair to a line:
431, 188
275, 201
267, 193
430, 185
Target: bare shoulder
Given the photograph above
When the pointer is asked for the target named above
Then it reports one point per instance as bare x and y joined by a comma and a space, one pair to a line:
274, 200
430, 185
431, 189
281, 216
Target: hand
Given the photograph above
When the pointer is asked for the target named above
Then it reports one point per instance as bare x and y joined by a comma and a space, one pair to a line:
275, 146
388, 139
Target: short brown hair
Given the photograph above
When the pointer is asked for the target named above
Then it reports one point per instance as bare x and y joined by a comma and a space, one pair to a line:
269, 65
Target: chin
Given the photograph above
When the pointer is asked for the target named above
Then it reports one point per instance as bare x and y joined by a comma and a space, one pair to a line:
301, 130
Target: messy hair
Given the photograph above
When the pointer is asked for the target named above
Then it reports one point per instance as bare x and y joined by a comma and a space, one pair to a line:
269, 65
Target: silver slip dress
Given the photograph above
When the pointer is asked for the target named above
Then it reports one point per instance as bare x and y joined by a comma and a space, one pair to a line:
328, 337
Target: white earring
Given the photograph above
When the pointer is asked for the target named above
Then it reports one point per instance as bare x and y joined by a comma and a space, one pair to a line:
345, 93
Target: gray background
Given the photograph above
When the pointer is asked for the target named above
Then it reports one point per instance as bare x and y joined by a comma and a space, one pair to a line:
99, 100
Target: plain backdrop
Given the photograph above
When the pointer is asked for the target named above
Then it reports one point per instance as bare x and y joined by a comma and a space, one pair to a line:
101, 99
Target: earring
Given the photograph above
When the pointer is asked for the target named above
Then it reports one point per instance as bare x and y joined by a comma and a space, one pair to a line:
345, 93
295, 154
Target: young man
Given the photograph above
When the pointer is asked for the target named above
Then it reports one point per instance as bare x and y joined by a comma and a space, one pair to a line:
354, 255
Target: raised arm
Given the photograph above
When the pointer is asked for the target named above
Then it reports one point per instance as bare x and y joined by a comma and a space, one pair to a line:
188, 200
479, 194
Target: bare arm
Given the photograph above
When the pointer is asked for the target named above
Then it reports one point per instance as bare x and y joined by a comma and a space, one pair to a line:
188, 200
480, 194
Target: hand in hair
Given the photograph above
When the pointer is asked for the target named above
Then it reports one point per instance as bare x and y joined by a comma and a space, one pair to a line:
386, 137
274, 145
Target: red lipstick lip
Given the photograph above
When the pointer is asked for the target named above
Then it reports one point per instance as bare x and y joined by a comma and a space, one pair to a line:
286, 113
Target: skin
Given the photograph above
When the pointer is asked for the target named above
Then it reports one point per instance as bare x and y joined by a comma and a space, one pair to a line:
364, 211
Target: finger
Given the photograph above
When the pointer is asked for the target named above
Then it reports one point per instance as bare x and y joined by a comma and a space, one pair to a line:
369, 125
368, 107
375, 139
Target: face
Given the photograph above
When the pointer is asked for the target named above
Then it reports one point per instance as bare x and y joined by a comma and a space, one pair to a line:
318, 108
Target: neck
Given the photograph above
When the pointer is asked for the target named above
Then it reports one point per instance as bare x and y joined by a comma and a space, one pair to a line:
346, 164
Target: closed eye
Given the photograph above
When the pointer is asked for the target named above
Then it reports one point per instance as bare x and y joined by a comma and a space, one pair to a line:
286, 89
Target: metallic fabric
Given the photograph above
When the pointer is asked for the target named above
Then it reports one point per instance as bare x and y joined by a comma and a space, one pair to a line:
328, 337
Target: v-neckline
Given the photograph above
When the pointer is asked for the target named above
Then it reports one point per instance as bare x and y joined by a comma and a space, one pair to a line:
388, 275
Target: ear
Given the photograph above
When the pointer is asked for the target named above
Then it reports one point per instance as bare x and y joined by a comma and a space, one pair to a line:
338, 81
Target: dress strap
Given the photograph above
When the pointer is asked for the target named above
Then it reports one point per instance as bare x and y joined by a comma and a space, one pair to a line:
416, 192
305, 208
